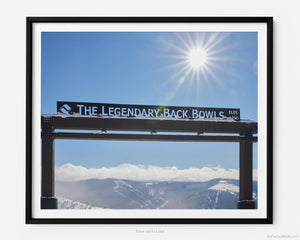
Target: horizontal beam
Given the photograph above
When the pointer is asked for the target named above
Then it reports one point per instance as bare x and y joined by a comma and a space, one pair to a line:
147, 124
147, 137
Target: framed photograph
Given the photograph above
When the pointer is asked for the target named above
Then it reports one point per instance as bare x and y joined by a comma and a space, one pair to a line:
149, 120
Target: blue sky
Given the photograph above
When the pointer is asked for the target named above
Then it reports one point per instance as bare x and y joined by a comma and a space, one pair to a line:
145, 68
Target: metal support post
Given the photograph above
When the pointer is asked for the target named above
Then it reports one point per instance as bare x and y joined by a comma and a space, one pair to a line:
48, 201
246, 183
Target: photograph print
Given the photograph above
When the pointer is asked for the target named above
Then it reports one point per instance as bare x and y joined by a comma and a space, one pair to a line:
139, 120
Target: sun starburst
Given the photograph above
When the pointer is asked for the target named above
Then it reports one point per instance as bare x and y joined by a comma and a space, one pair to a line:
196, 57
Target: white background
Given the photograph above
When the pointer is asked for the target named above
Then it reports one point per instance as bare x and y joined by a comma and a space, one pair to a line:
286, 114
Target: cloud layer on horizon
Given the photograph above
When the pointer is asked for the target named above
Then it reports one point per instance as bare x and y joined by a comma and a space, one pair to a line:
70, 172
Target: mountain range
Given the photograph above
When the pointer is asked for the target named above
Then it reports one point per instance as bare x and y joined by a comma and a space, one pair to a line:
129, 194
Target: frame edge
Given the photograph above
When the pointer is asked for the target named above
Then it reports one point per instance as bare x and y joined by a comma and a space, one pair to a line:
29, 26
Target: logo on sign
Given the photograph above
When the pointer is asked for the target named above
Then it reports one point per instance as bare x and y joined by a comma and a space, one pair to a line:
65, 109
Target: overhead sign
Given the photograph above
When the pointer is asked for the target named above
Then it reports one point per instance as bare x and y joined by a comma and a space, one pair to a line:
149, 111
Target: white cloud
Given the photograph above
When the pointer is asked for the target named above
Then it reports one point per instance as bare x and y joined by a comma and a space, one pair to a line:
69, 172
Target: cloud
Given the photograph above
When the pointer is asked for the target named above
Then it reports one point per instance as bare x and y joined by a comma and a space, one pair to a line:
70, 172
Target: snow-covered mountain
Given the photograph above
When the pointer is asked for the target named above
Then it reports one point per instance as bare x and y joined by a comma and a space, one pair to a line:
64, 203
128, 194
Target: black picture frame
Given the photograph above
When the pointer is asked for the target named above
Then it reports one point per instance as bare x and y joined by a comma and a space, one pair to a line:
29, 120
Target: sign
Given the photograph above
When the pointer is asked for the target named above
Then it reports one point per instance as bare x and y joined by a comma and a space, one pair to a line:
148, 111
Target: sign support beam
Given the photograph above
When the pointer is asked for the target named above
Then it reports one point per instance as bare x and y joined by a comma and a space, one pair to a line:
48, 201
149, 137
246, 171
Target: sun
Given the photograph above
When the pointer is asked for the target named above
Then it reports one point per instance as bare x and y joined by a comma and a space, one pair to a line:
197, 57
198, 60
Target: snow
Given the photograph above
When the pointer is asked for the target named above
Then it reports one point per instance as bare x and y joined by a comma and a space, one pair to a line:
64, 203
225, 186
